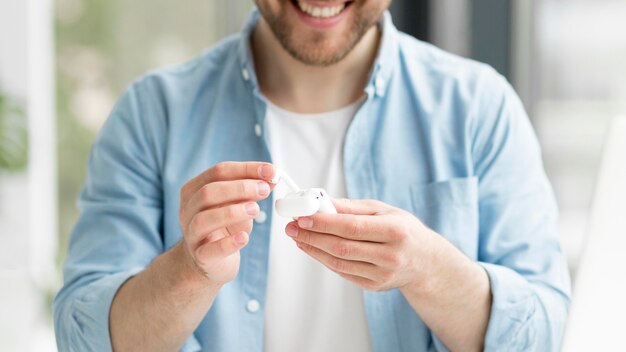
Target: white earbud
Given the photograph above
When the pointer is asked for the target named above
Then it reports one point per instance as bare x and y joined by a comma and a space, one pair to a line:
299, 202
282, 176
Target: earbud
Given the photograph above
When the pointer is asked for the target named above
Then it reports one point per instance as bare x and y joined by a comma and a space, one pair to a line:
282, 176
299, 202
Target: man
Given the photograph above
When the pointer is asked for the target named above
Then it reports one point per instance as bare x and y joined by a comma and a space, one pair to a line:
177, 247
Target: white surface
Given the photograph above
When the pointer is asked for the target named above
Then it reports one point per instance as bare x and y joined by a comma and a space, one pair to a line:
292, 206
282, 176
599, 305
27, 201
261, 218
13, 41
42, 143
308, 307
305, 203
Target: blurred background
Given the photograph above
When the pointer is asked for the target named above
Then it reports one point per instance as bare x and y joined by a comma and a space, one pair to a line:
63, 63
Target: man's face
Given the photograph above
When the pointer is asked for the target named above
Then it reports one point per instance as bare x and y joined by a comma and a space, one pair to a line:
320, 32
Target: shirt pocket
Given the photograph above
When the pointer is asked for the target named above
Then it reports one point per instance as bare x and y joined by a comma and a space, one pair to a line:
450, 208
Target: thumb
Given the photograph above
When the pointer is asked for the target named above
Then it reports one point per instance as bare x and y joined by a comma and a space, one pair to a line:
358, 207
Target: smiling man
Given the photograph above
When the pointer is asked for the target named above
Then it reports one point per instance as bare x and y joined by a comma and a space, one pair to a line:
445, 233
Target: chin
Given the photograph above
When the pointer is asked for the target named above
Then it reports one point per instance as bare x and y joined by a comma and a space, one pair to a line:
318, 42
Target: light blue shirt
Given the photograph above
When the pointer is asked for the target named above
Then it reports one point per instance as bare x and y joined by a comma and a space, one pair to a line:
440, 136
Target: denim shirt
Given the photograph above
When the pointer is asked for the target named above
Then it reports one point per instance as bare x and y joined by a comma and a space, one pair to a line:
440, 136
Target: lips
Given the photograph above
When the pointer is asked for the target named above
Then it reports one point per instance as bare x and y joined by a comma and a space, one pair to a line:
317, 11
322, 15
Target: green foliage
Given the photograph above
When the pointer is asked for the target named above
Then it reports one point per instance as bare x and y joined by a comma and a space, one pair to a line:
74, 142
13, 136
109, 43
94, 30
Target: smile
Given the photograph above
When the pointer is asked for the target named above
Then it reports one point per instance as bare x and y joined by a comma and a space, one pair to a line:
321, 12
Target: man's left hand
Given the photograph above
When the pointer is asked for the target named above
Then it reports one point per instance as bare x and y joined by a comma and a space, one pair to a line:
375, 245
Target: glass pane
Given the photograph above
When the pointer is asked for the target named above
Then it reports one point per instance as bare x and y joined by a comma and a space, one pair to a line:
581, 81
101, 47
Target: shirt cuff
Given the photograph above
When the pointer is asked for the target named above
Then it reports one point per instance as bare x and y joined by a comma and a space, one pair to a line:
90, 315
90, 312
513, 306
191, 345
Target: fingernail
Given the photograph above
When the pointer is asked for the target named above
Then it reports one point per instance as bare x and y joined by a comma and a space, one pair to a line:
241, 238
265, 171
252, 208
292, 230
305, 223
263, 189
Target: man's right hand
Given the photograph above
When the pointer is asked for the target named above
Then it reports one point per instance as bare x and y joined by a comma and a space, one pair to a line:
216, 212
173, 294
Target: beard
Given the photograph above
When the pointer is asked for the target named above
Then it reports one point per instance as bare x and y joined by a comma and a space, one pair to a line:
316, 48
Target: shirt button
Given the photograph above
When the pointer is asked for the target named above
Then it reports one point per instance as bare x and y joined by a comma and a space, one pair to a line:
257, 130
261, 218
245, 74
253, 306
380, 84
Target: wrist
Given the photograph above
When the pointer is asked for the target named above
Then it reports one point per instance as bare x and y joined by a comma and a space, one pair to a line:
186, 274
437, 259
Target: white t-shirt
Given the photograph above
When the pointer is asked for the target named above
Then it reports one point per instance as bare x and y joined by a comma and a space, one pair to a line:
309, 307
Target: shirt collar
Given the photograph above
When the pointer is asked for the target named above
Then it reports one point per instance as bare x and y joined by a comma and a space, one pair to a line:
379, 75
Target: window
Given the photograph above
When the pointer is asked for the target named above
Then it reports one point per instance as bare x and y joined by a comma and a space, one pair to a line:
580, 85
101, 47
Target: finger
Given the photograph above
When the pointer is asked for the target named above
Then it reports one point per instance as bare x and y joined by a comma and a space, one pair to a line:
339, 247
220, 249
231, 230
370, 228
245, 226
228, 171
366, 284
338, 265
204, 223
359, 207
214, 236
225, 192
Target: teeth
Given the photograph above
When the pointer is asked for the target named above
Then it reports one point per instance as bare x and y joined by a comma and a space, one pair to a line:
320, 12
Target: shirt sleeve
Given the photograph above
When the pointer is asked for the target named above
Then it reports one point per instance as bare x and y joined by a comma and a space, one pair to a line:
519, 246
119, 231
